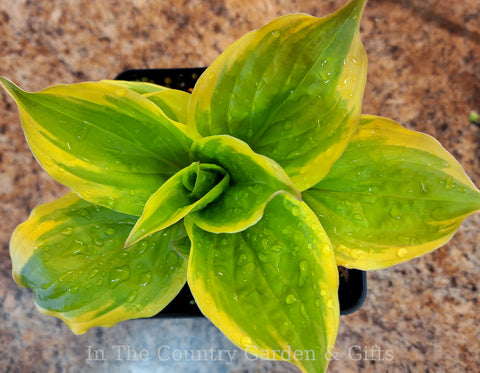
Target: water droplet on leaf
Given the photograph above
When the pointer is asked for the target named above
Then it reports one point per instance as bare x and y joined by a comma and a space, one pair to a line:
304, 312
356, 254
245, 341
48, 162
92, 273
330, 304
401, 253
131, 296
119, 275
67, 231
262, 257
290, 299
449, 183
110, 231
172, 259
146, 278
120, 92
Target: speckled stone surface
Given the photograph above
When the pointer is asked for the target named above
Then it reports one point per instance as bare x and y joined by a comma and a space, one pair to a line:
424, 71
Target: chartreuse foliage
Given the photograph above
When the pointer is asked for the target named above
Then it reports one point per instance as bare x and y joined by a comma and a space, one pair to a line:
393, 195
253, 189
70, 252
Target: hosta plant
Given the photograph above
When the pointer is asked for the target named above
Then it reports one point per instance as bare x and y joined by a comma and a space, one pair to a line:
253, 189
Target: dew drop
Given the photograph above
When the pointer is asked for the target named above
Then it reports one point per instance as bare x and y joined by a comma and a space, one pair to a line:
242, 259
262, 257
326, 249
92, 273
358, 217
356, 254
119, 275
276, 248
264, 243
449, 183
131, 296
84, 213
110, 231
304, 312
110, 203
290, 299
142, 247
401, 253
246, 341
303, 266
330, 304
120, 92
212, 76
395, 213
172, 259
67, 231
48, 162
99, 243
295, 211
146, 279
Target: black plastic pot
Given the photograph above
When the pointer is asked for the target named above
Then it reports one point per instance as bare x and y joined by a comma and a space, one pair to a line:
353, 283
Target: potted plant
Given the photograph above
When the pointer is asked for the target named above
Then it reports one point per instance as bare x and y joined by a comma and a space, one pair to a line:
352, 287
253, 189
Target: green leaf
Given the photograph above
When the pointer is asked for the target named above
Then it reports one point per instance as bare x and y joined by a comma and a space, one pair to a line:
271, 289
182, 245
109, 144
254, 180
70, 253
142, 88
292, 90
395, 194
174, 103
188, 190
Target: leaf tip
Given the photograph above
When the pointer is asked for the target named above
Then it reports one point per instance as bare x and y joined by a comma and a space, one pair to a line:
9, 86
353, 10
130, 241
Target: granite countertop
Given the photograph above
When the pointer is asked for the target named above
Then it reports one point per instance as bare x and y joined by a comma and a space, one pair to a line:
424, 71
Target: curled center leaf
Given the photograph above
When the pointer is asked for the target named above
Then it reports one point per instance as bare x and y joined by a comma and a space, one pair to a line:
200, 178
254, 180
190, 189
